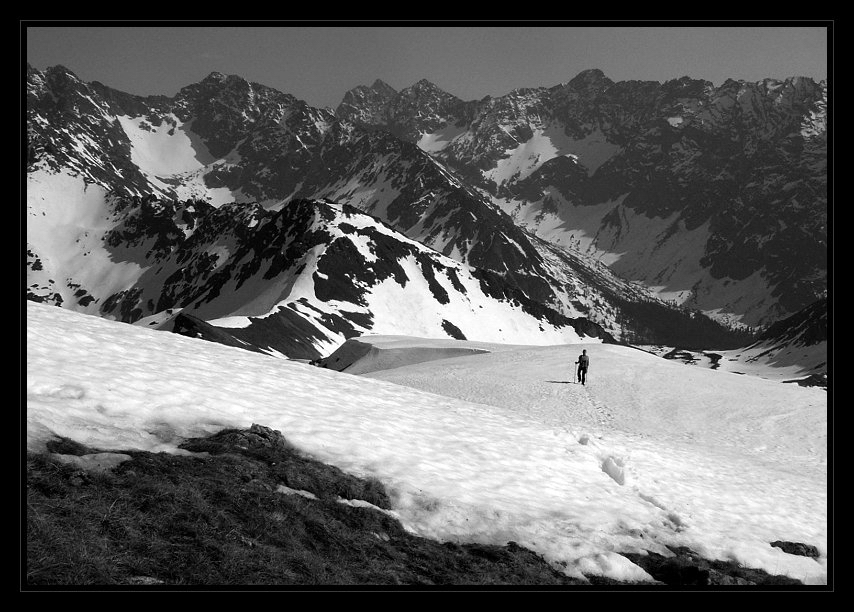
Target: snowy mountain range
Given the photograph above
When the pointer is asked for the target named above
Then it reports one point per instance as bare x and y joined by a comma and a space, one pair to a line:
234, 204
702, 193
443, 262
300, 280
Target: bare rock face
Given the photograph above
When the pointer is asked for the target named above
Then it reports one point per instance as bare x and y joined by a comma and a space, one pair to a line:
366, 105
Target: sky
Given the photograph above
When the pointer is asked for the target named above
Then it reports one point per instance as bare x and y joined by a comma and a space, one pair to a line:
650, 453
319, 64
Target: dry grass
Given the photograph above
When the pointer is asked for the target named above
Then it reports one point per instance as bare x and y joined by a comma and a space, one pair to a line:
217, 520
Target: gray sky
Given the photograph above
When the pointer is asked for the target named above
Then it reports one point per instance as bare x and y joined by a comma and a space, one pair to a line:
319, 64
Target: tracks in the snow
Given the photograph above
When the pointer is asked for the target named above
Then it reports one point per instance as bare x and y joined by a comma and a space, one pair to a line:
598, 412
615, 465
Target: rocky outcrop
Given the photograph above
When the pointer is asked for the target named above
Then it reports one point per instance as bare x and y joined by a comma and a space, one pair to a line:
796, 548
686, 568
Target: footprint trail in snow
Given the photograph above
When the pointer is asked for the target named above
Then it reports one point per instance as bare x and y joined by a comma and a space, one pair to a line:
613, 464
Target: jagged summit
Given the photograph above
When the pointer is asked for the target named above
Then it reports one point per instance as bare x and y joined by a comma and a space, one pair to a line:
60, 69
381, 86
425, 83
590, 74
592, 77
379, 91
366, 105
58, 75
219, 78
426, 86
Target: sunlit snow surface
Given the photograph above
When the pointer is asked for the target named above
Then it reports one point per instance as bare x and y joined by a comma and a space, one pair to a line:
650, 453
171, 150
547, 143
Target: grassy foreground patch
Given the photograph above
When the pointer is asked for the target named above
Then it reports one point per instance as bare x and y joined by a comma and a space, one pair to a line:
218, 520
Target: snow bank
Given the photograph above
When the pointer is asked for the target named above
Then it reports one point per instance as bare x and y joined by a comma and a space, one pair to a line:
359, 357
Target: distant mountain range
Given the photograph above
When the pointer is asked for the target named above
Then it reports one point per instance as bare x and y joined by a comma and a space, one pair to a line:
715, 197
591, 209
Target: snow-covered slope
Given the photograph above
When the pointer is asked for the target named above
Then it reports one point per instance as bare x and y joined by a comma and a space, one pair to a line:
649, 454
66, 259
353, 275
634, 392
295, 281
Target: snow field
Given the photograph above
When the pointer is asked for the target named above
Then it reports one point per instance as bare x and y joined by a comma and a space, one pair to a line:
432, 143
635, 392
165, 150
455, 469
393, 307
547, 143
729, 460
173, 149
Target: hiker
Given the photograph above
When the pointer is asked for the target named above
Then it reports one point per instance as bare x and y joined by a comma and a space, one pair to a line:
583, 363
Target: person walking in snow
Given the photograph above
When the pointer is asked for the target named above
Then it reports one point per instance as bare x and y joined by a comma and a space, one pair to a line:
583, 363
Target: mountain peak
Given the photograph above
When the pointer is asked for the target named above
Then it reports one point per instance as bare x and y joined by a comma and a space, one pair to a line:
382, 87
365, 104
426, 84
222, 79
427, 89
591, 76
60, 70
